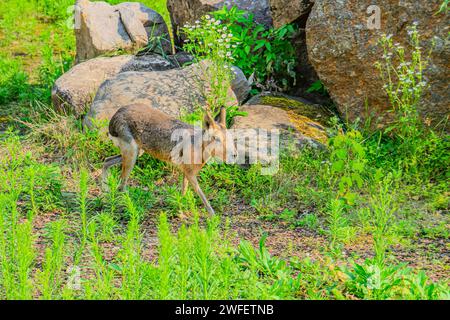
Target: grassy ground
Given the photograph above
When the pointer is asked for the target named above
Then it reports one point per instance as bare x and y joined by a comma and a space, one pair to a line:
287, 236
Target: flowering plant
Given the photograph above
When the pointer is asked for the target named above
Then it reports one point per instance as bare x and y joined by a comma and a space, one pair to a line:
210, 39
403, 77
402, 71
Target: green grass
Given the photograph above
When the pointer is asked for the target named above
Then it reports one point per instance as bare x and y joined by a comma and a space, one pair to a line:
360, 220
197, 259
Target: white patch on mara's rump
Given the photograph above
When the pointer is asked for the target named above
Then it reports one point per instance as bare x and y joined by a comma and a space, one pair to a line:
114, 140
123, 145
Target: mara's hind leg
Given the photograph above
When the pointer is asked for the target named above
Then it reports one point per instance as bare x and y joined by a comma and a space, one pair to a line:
130, 153
109, 162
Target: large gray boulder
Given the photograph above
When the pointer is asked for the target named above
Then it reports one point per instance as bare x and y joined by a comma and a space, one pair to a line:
188, 11
343, 51
102, 28
75, 90
175, 92
289, 11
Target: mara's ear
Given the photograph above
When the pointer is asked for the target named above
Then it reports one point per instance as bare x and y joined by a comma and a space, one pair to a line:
208, 121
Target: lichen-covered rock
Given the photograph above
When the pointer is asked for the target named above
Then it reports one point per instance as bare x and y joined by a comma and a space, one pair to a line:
288, 11
343, 51
102, 28
298, 121
187, 11
75, 90
174, 92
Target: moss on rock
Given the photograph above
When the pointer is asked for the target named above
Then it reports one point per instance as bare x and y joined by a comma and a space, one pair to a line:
301, 107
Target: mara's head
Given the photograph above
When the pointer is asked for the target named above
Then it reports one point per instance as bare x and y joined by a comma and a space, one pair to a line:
218, 142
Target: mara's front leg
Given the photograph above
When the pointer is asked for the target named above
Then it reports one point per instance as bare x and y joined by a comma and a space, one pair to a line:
185, 185
198, 190
109, 162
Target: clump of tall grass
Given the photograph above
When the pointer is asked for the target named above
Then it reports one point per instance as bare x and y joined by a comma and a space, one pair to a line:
68, 140
51, 278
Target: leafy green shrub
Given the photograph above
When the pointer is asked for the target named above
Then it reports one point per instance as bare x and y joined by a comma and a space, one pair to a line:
267, 53
348, 159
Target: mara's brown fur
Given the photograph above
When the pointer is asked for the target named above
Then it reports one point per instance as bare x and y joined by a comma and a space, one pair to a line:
138, 128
